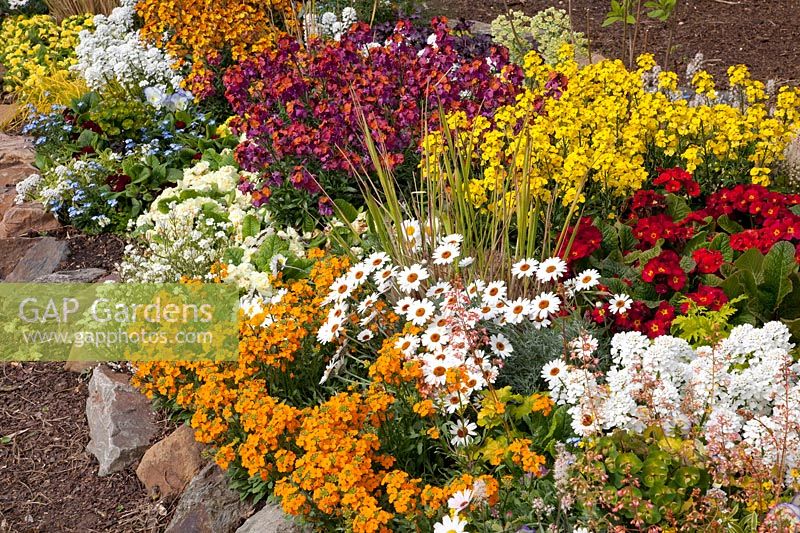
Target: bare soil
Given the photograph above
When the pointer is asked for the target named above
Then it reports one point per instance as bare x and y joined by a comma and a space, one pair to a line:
49, 483
762, 34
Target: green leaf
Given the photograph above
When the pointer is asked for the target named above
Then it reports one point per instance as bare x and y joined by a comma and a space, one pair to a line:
626, 239
779, 264
250, 226
687, 263
345, 211
722, 242
729, 225
677, 207
272, 246
751, 261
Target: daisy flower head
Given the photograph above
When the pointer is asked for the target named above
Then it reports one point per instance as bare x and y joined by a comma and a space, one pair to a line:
450, 524
329, 331
435, 368
436, 291
341, 288
619, 304
420, 311
407, 344
367, 303
358, 274
524, 268
446, 253
551, 269
517, 310
500, 346
385, 274
545, 304
453, 238
554, 371
587, 279
403, 305
365, 335
338, 311
475, 288
411, 230
377, 260
435, 338
463, 433
466, 261
460, 500
494, 292
454, 401
410, 278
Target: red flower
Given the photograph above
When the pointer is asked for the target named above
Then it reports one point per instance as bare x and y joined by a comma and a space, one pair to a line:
675, 179
708, 261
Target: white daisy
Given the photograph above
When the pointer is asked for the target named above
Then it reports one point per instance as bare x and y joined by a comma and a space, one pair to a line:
365, 335
517, 310
463, 433
500, 346
551, 269
330, 330
367, 303
475, 288
454, 402
465, 262
525, 268
341, 288
436, 291
545, 305
407, 344
411, 230
453, 238
445, 254
420, 311
587, 279
494, 292
411, 277
435, 338
377, 260
460, 500
434, 370
540, 323
449, 524
619, 303
338, 312
555, 370
403, 305
358, 274
487, 312
385, 274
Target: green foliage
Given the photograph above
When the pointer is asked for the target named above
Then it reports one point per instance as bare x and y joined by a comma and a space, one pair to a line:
770, 284
703, 327
534, 348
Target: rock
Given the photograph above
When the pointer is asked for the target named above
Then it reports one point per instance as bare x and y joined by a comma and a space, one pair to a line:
20, 220
84, 275
7, 200
477, 27
79, 367
8, 112
208, 505
171, 463
11, 251
110, 278
15, 148
14, 172
271, 519
40, 260
120, 421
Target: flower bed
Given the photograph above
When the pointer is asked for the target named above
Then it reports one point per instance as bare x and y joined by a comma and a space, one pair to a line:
475, 295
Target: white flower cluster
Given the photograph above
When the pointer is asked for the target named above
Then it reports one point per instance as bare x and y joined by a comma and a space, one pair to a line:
17, 4
743, 393
329, 24
453, 319
28, 188
188, 227
114, 51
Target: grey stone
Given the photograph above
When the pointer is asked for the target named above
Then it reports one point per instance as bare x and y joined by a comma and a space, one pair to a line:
40, 260
11, 251
121, 422
271, 519
171, 463
85, 275
208, 505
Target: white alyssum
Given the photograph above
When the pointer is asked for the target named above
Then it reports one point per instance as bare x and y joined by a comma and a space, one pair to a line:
114, 51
